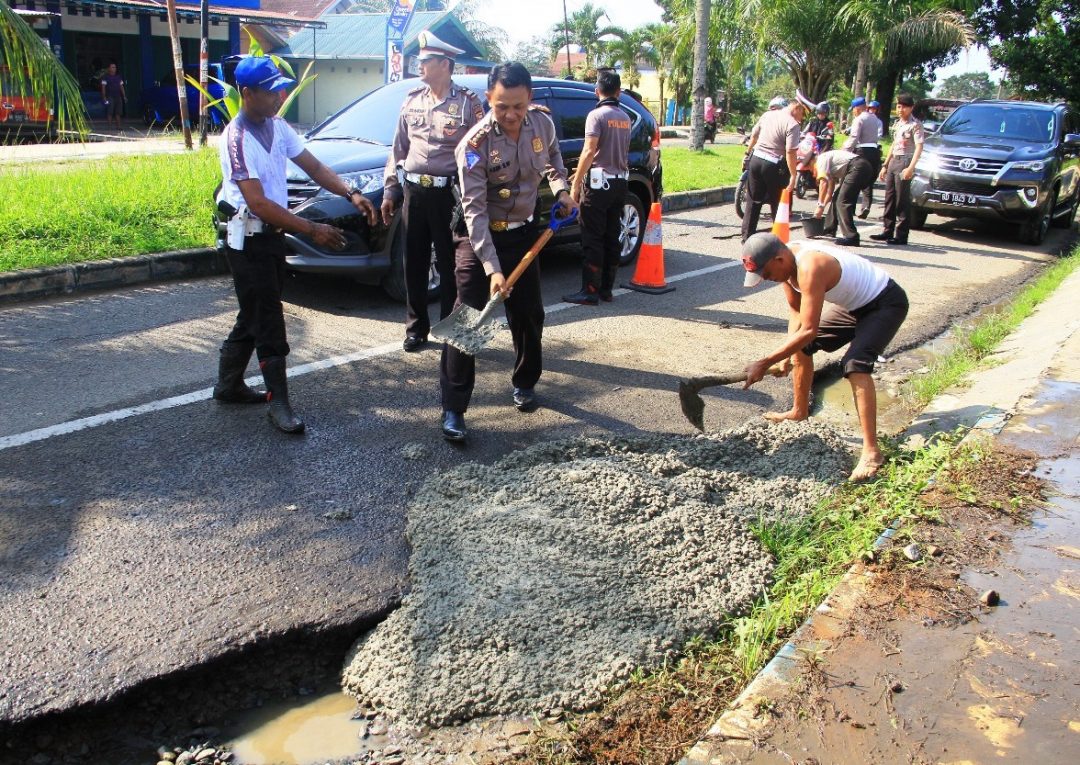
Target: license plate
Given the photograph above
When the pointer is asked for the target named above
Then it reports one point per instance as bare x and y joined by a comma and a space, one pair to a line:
17, 116
956, 198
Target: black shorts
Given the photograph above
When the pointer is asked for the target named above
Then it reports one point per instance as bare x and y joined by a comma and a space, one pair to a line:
869, 329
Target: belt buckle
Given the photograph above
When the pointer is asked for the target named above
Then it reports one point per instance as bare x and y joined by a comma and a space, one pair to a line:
426, 181
500, 225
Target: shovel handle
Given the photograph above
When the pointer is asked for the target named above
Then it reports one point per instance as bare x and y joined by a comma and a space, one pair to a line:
529, 257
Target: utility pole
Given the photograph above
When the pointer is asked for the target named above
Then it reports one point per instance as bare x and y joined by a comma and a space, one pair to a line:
701, 59
204, 66
178, 66
566, 30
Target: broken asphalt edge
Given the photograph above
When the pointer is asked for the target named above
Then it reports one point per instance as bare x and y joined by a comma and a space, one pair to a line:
1024, 358
50, 281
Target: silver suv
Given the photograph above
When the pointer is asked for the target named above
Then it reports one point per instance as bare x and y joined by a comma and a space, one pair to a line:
1017, 161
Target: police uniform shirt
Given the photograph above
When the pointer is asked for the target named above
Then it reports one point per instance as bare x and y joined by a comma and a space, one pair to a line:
833, 164
906, 134
250, 150
428, 130
500, 177
611, 126
866, 129
778, 133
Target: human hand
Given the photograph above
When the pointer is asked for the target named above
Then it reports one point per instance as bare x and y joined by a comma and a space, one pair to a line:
330, 237
568, 205
881, 175
755, 372
498, 284
908, 174
387, 210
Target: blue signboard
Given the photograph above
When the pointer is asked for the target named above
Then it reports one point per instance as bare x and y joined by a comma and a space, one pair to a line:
400, 14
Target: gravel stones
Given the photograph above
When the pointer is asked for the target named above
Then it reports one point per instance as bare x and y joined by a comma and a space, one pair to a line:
541, 582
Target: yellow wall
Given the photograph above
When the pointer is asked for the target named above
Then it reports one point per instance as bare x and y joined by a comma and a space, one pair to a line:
339, 83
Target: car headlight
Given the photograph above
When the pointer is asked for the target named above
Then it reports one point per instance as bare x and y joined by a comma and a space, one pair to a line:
1034, 166
928, 163
367, 183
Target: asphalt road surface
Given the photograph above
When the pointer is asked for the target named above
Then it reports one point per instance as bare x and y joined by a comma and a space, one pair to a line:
145, 528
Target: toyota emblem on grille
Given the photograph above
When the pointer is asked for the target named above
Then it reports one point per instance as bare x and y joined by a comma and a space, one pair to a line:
967, 165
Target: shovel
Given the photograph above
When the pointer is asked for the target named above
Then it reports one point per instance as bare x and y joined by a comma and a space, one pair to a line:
470, 330
693, 407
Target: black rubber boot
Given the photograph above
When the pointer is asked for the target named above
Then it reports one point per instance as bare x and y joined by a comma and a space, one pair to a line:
231, 388
277, 393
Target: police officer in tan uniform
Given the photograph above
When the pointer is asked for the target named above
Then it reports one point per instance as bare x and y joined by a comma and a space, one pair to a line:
433, 120
899, 169
501, 163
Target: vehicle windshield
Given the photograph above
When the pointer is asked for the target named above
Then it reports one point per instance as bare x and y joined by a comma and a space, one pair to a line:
367, 119
1017, 123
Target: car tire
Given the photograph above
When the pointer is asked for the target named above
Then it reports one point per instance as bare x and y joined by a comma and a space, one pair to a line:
1034, 230
149, 116
393, 283
631, 228
740, 196
1066, 221
917, 218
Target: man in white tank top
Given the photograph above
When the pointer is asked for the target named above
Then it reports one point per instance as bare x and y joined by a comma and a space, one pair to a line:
866, 310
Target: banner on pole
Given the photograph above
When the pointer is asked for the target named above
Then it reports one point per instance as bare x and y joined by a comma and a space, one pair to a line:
401, 13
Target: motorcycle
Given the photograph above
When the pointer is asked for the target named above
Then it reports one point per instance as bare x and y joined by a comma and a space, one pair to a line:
740, 192
805, 157
710, 131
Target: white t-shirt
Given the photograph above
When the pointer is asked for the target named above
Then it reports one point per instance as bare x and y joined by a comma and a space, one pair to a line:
257, 150
860, 280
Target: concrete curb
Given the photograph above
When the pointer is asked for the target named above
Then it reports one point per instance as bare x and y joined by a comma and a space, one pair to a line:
984, 408
35, 283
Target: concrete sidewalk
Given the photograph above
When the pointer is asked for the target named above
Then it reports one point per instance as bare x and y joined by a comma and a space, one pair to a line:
1001, 687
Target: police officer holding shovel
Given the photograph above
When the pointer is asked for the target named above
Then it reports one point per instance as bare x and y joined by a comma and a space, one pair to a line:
433, 120
500, 165
600, 185
254, 150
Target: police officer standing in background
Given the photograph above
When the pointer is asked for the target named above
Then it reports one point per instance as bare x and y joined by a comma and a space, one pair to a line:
772, 146
500, 164
254, 150
433, 120
899, 169
604, 167
865, 132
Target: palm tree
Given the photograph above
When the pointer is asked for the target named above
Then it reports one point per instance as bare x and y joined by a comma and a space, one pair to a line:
661, 38
31, 68
583, 28
701, 63
628, 50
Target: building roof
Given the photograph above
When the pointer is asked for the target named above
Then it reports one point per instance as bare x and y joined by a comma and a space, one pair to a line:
311, 9
363, 36
217, 11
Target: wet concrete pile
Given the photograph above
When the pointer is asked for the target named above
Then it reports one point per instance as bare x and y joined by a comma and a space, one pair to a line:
539, 583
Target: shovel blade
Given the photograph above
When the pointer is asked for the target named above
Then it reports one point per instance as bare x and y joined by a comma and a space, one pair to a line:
692, 405
467, 329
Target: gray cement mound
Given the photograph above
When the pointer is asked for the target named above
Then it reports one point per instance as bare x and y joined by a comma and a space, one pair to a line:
541, 581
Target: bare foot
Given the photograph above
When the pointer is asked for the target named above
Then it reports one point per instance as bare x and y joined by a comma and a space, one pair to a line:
869, 465
791, 414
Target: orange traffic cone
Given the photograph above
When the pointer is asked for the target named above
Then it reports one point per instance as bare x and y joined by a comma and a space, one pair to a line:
649, 274
782, 223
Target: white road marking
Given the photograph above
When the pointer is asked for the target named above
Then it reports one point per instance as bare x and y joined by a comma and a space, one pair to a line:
85, 423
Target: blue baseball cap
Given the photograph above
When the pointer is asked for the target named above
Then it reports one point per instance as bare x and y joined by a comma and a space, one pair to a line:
874, 105
860, 101
260, 72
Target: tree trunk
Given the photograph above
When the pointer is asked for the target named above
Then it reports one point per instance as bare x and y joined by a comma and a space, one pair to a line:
663, 104
861, 72
886, 89
701, 60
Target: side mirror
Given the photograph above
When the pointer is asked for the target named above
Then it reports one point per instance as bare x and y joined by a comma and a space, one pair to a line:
1072, 140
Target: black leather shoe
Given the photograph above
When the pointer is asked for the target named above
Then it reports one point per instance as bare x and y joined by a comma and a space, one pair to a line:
413, 343
582, 297
453, 426
894, 240
524, 399
606, 296
847, 241
884, 236
864, 213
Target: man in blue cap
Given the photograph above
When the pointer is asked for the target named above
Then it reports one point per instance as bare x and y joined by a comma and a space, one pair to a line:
865, 131
254, 150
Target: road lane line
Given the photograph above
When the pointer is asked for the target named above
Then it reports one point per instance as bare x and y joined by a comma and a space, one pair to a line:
85, 423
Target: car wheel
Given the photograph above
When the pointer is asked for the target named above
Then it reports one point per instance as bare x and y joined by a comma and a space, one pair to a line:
740, 196
149, 116
917, 218
1066, 221
393, 283
1034, 230
631, 228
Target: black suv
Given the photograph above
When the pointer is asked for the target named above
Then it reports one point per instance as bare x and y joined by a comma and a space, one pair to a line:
355, 143
1016, 161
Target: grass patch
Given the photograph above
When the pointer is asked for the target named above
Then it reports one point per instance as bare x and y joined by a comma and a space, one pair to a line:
977, 341
106, 208
665, 711
687, 170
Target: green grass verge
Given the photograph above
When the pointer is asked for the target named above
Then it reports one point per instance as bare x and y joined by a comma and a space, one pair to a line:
687, 170
107, 208
976, 341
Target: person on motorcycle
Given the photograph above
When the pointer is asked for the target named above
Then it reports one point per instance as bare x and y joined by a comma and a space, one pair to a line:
821, 127
710, 121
